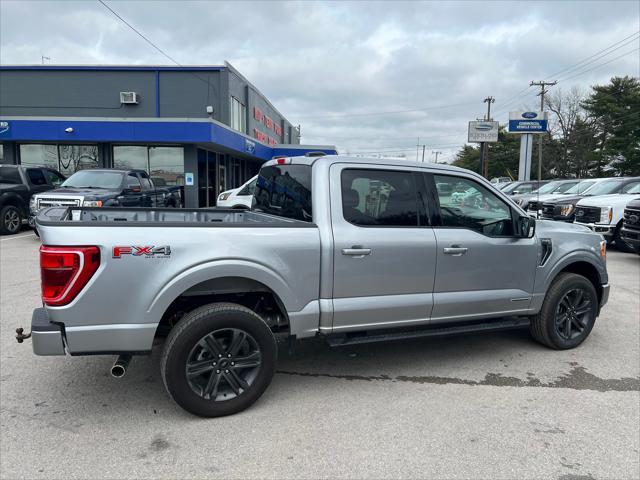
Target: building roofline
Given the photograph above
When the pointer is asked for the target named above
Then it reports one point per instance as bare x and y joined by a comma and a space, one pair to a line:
151, 68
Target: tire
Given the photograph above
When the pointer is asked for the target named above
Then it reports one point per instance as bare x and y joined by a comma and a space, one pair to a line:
10, 220
216, 390
620, 244
562, 302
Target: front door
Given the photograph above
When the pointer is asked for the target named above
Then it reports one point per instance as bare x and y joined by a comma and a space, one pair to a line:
384, 250
483, 269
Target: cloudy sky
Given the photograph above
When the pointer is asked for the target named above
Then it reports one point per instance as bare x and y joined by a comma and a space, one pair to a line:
365, 76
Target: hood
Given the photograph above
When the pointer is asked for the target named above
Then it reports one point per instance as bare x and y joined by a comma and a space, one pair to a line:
614, 199
81, 192
8, 187
566, 199
550, 227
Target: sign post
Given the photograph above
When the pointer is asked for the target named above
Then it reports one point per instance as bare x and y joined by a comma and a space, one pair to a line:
528, 124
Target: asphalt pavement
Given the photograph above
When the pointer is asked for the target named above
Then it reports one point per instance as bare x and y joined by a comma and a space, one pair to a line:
478, 406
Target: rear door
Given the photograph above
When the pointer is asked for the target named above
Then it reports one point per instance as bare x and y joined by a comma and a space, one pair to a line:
483, 270
384, 250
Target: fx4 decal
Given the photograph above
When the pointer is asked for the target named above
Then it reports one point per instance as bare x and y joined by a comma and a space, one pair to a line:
147, 251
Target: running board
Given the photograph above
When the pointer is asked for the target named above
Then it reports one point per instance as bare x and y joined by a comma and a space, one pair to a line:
343, 340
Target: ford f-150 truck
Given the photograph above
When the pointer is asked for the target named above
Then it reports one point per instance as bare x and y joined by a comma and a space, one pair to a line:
357, 250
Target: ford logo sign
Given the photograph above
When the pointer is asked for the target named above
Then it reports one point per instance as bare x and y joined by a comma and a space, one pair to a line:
484, 126
529, 115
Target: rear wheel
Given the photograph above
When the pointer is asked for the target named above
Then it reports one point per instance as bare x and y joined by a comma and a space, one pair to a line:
218, 360
10, 220
568, 313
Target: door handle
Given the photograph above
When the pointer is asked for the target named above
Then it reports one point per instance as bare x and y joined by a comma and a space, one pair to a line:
356, 251
455, 251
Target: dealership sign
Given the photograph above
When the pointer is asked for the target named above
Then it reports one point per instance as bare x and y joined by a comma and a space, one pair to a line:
4, 127
483, 132
528, 122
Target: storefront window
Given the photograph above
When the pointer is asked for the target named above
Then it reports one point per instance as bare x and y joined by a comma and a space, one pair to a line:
167, 163
77, 157
67, 159
129, 157
34, 154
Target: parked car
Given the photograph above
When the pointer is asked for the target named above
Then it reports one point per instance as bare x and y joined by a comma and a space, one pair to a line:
551, 188
564, 208
631, 224
240, 197
497, 180
534, 208
605, 215
174, 193
356, 250
17, 184
105, 188
516, 188
503, 185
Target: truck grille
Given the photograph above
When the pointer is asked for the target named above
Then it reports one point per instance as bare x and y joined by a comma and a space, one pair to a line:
534, 206
632, 218
57, 201
588, 214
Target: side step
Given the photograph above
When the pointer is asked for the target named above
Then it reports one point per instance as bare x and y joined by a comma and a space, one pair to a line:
496, 325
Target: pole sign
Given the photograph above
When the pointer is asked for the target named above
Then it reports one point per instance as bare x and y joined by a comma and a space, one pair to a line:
528, 122
481, 131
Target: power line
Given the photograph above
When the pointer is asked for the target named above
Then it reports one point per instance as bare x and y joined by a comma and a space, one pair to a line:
570, 67
345, 115
601, 65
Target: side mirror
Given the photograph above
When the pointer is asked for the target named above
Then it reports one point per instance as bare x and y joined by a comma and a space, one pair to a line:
525, 227
132, 190
515, 192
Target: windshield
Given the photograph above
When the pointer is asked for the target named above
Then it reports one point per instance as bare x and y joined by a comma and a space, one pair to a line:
635, 189
580, 188
605, 188
510, 187
94, 179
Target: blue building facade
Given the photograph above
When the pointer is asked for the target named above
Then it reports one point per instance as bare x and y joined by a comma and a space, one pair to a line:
206, 128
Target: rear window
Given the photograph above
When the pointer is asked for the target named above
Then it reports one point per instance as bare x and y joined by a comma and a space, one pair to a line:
10, 175
285, 191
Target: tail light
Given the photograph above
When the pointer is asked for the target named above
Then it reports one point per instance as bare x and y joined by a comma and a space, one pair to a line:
65, 271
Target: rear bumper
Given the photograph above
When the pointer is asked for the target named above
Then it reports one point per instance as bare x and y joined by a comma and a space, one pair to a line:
46, 337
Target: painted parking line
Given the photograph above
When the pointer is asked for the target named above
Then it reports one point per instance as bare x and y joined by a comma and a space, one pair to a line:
15, 237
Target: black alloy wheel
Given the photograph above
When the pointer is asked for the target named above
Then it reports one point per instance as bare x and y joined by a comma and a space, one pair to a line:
573, 314
10, 220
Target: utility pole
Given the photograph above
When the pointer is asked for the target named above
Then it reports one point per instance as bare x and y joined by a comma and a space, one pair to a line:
423, 148
436, 153
542, 84
484, 160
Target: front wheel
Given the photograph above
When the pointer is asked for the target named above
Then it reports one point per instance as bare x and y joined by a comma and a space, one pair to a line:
10, 220
218, 360
568, 313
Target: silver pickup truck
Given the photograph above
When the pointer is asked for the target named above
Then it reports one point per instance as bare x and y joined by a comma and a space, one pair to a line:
357, 250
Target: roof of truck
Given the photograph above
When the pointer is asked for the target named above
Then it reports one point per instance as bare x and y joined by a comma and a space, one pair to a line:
305, 160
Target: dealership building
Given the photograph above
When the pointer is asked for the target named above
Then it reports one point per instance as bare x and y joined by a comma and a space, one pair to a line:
207, 127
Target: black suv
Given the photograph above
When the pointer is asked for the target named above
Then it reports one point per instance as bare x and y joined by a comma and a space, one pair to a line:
17, 184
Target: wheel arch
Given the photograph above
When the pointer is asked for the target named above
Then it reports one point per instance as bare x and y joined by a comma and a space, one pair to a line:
587, 270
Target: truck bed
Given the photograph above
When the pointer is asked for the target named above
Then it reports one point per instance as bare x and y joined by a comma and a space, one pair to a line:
162, 217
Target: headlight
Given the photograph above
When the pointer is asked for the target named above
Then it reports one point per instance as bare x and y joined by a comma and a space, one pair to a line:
565, 210
224, 195
92, 203
32, 204
606, 214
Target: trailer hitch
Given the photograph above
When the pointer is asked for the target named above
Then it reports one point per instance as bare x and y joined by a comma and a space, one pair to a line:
20, 336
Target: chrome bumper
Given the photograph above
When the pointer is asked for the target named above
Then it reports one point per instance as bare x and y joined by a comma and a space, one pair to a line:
602, 229
46, 337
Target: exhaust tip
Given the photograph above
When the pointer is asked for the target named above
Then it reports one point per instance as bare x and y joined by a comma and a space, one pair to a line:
118, 371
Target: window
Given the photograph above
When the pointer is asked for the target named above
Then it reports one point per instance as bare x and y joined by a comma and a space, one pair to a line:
285, 191
10, 175
580, 187
380, 198
238, 115
130, 157
467, 204
67, 159
633, 187
36, 177
249, 188
146, 183
160, 162
132, 181
54, 178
